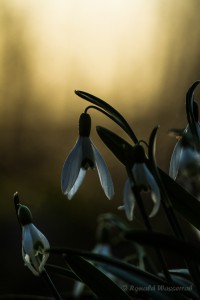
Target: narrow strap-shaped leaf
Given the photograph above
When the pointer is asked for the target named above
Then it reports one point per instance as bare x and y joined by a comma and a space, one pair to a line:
116, 116
166, 242
153, 291
97, 281
139, 282
182, 201
57, 270
98, 258
187, 286
130, 274
116, 144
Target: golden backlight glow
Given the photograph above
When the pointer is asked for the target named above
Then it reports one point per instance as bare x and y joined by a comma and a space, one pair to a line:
122, 51
140, 56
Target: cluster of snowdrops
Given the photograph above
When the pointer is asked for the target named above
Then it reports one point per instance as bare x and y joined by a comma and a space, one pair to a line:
98, 273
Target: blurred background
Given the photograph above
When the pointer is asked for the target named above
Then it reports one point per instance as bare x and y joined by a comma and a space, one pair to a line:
140, 56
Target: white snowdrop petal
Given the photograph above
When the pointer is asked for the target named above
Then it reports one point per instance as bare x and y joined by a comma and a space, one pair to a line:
128, 200
43, 262
32, 237
143, 177
190, 161
71, 167
156, 206
38, 236
153, 185
104, 174
155, 193
27, 242
28, 263
77, 184
175, 160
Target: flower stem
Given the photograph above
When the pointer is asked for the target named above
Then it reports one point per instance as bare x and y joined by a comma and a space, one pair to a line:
50, 283
119, 121
168, 208
148, 224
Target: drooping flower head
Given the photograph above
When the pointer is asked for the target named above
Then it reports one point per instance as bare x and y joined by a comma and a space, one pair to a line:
185, 160
82, 157
34, 243
143, 180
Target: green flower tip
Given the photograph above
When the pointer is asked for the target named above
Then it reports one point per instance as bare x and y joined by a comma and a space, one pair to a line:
24, 214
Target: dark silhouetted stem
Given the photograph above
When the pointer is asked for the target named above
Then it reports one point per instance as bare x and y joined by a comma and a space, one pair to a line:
148, 224
51, 285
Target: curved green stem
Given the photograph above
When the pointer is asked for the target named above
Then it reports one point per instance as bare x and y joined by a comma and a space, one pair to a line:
147, 223
114, 114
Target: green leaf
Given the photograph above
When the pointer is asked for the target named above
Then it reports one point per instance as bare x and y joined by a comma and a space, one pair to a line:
115, 115
130, 274
182, 201
57, 270
117, 145
188, 287
165, 242
97, 281
98, 258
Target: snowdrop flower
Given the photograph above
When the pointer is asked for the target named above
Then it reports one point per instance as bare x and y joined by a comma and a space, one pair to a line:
144, 180
185, 160
83, 156
34, 243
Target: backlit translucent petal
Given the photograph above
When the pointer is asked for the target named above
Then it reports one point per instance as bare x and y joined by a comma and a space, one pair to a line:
155, 193
43, 262
189, 162
104, 174
77, 184
27, 241
32, 237
144, 178
156, 206
175, 160
28, 263
129, 200
71, 167
38, 236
